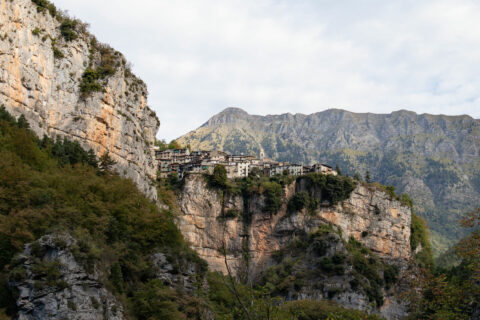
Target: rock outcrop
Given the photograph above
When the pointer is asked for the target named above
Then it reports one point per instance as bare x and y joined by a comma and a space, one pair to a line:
370, 216
41, 72
212, 220
52, 284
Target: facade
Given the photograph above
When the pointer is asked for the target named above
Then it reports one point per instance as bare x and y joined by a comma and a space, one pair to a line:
323, 168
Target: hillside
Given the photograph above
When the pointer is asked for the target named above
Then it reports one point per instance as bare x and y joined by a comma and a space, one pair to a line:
433, 158
77, 241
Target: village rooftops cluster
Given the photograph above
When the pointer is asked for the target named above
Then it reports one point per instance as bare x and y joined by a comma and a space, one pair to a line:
182, 161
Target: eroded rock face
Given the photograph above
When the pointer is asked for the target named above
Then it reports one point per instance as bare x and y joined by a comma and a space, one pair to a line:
45, 89
369, 215
52, 284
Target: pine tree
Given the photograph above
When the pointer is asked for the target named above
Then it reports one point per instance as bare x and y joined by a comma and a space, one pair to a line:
337, 168
22, 122
106, 163
92, 159
367, 177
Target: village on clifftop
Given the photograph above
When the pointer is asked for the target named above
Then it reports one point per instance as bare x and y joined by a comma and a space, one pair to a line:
182, 161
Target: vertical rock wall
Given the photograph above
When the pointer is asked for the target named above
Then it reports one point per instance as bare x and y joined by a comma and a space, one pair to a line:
45, 89
369, 215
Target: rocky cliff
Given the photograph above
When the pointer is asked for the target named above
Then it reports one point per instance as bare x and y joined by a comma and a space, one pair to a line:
51, 284
434, 158
217, 222
66, 84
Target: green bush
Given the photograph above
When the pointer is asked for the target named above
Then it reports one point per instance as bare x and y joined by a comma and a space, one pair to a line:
219, 178
232, 213
155, 301
7, 250
321, 310
390, 275
366, 265
89, 82
331, 188
299, 201
43, 5
67, 29
36, 32
57, 54
419, 237
273, 193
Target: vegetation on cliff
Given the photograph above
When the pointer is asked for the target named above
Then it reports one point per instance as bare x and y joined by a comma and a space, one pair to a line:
311, 262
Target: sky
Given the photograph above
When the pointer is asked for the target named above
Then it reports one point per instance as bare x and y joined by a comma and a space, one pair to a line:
199, 57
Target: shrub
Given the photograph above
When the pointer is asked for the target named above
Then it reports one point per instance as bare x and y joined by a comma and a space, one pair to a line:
331, 267
273, 193
95, 302
155, 301
48, 272
390, 275
37, 250
299, 201
89, 82
43, 5
57, 54
71, 305
332, 188
321, 310
36, 31
219, 178
67, 29
116, 277
7, 250
232, 213
419, 237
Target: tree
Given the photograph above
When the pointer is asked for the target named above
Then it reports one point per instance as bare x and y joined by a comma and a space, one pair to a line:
6, 116
273, 193
337, 168
367, 177
255, 172
219, 178
174, 145
92, 159
161, 144
106, 163
22, 122
357, 177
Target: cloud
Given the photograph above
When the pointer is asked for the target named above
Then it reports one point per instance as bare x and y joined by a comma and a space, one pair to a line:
268, 57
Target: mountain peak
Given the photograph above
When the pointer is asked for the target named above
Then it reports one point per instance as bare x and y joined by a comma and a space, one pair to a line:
228, 115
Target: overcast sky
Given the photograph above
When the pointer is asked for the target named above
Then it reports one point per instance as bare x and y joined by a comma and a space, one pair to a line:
268, 57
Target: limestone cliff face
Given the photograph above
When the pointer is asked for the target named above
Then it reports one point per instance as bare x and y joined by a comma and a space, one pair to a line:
211, 221
44, 87
369, 215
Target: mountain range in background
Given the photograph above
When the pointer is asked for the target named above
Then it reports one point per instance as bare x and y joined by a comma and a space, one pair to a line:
433, 158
